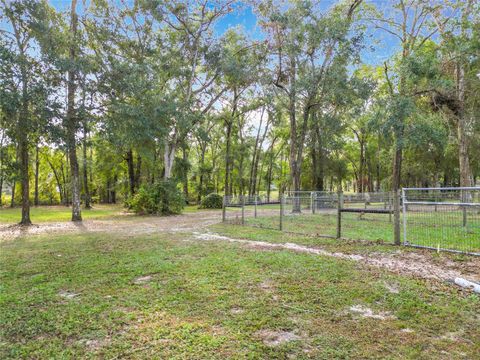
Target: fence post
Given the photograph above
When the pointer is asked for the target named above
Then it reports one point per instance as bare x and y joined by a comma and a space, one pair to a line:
281, 211
255, 213
224, 205
396, 217
339, 214
390, 206
312, 201
464, 208
404, 208
243, 209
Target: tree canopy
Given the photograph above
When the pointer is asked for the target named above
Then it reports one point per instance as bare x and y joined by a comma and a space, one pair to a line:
102, 99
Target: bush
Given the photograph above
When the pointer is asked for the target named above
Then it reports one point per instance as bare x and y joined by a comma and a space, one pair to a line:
161, 198
212, 201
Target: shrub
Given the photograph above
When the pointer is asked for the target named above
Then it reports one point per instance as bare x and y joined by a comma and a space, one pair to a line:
212, 201
161, 198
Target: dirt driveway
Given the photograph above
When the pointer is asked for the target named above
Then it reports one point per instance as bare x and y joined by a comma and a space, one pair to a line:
126, 224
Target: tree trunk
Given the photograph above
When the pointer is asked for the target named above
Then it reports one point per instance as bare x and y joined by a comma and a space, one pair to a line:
317, 159
71, 119
138, 172
229, 126
227, 159
169, 156
86, 188
131, 171
12, 200
113, 192
37, 169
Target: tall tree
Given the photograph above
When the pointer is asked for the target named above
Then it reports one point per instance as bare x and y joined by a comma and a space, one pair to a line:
71, 119
306, 43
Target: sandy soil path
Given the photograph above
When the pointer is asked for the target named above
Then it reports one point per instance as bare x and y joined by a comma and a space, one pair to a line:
130, 225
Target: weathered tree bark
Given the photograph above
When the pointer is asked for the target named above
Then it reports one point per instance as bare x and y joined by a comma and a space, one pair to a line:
168, 158
86, 188
71, 119
37, 169
131, 171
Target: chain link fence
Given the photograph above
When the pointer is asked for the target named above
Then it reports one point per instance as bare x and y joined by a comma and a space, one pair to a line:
442, 218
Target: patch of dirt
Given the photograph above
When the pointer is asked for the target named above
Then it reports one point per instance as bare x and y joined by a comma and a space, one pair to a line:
95, 344
126, 225
141, 280
68, 295
276, 338
237, 310
366, 312
392, 288
267, 286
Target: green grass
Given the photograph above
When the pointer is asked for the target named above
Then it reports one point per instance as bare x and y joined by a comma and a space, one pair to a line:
41, 214
211, 300
434, 229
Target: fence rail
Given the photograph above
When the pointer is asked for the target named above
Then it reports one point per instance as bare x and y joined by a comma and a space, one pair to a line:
315, 213
435, 218
442, 218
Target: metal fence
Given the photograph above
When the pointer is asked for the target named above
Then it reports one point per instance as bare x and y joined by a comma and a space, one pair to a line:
366, 216
435, 218
442, 218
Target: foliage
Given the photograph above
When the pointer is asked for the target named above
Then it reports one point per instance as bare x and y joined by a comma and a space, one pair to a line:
212, 201
161, 198
164, 90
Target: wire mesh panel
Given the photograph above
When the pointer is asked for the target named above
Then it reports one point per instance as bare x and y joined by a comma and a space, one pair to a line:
262, 212
311, 214
442, 218
232, 212
372, 219
366, 200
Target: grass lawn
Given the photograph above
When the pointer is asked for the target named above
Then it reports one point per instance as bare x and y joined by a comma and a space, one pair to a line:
41, 214
433, 229
170, 296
